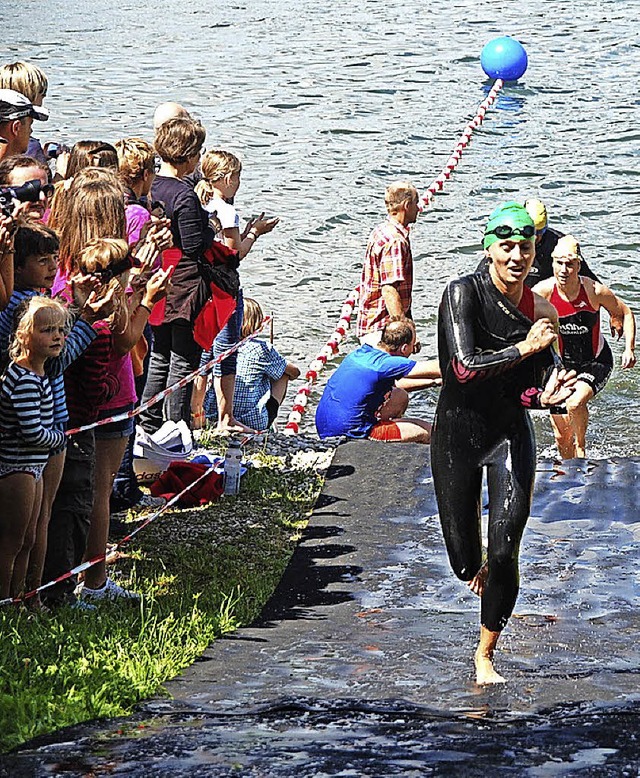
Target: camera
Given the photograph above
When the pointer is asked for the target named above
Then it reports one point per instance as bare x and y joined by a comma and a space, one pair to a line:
27, 193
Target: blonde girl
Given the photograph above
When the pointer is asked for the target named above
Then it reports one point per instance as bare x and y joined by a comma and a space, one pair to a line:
27, 436
93, 246
220, 182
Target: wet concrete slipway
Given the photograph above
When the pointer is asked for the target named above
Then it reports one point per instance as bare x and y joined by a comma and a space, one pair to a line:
360, 663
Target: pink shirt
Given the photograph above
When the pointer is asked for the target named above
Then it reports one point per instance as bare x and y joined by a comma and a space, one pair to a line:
121, 367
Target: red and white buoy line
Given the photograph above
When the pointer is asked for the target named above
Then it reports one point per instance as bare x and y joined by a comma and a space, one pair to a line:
326, 352
174, 387
331, 348
438, 183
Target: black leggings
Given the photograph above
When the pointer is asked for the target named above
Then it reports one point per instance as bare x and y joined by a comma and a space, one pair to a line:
457, 460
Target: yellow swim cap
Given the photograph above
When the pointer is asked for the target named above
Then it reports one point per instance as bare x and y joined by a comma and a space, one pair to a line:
538, 212
567, 247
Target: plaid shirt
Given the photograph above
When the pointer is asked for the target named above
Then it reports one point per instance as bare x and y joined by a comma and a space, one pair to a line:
388, 261
258, 365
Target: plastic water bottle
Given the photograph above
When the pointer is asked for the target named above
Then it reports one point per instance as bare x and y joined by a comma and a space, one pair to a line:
232, 463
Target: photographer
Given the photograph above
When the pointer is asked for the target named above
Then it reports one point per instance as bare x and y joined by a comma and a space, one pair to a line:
14, 173
16, 117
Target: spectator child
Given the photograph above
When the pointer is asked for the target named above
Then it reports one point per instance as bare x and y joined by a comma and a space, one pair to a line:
261, 381
175, 353
220, 182
35, 265
108, 260
136, 171
27, 434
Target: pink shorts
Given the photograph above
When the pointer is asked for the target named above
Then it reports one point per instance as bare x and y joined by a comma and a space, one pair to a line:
385, 430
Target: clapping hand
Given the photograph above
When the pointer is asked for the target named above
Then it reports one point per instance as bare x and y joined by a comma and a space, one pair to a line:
98, 307
157, 287
81, 288
260, 225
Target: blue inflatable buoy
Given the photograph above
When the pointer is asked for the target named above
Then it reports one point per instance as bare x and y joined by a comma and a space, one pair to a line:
504, 58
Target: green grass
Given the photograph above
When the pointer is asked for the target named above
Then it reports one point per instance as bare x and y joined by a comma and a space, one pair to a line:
202, 573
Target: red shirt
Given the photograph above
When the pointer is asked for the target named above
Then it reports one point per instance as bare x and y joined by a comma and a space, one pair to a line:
388, 261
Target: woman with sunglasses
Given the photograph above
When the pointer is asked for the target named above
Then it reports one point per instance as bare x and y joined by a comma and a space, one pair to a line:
494, 339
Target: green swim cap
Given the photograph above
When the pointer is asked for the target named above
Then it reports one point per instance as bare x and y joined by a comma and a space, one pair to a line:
511, 215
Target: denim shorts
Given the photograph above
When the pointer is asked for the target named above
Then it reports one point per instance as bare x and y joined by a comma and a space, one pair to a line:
116, 429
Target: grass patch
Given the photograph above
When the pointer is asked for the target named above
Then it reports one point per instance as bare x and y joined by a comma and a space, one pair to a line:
202, 573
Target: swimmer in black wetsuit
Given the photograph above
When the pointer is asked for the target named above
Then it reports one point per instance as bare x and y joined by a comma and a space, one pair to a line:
578, 301
494, 336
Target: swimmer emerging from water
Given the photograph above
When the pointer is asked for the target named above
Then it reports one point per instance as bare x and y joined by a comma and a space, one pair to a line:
583, 348
494, 338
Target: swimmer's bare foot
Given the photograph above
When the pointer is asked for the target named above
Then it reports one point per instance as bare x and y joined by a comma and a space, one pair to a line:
485, 674
476, 584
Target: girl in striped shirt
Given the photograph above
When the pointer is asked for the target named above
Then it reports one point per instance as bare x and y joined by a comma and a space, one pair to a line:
27, 434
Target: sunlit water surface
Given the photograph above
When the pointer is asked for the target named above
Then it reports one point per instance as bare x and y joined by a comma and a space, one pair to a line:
328, 102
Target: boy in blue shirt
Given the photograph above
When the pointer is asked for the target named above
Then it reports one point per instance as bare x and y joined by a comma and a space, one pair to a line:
366, 396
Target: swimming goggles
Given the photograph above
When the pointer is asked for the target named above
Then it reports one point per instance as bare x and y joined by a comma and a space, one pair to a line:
504, 231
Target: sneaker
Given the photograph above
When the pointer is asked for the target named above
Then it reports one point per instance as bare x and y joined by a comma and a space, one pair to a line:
110, 591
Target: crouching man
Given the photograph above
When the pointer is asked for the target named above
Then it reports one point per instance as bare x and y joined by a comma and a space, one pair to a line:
367, 396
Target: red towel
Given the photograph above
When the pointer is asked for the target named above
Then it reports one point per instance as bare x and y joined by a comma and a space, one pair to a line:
179, 475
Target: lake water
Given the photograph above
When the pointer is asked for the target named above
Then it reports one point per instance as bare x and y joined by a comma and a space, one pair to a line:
326, 103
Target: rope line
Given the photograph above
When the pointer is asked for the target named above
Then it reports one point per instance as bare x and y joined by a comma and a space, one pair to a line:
103, 557
326, 352
331, 348
438, 183
173, 388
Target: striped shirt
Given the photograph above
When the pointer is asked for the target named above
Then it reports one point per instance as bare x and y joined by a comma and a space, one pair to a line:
26, 419
388, 261
88, 382
78, 339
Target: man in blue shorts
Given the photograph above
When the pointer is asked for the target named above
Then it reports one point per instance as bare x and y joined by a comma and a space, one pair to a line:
367, 394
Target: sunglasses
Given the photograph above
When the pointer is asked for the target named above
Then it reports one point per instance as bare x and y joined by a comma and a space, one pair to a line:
503, 231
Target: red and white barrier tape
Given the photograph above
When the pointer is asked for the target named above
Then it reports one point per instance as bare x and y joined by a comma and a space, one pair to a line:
96, 560
438, 183
173, 388
326, 352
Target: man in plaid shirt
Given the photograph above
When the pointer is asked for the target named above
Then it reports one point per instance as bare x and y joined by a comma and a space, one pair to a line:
387, 273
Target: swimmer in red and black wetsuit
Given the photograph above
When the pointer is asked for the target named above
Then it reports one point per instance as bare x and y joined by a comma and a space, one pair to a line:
494, 338
578, 301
